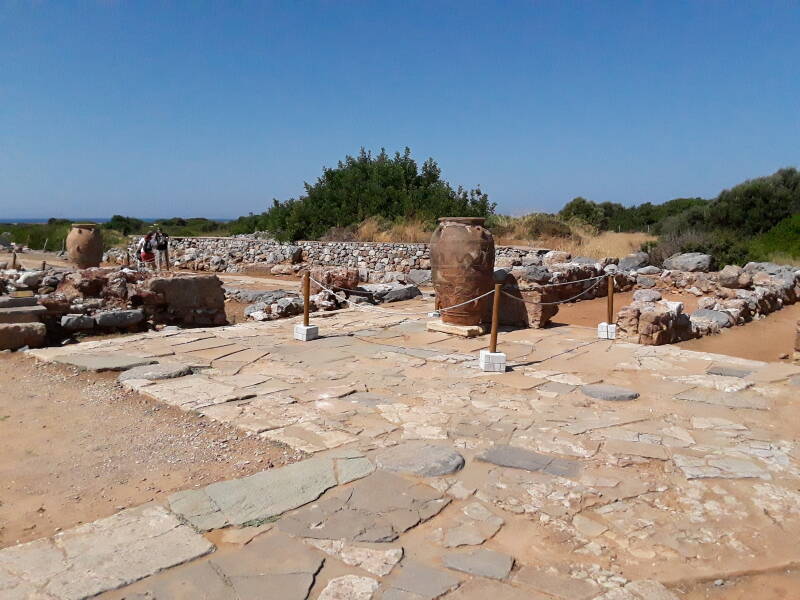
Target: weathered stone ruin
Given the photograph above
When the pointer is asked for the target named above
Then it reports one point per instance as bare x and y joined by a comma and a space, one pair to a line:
733, 296
61, 303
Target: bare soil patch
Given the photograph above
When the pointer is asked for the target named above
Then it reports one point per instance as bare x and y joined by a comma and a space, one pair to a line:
766, 339
76, 447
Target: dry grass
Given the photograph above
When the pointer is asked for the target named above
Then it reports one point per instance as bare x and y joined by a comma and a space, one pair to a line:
781, 258
536, 229
372, 230
607, 243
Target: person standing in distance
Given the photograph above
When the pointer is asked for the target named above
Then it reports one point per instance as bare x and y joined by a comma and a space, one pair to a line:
162, 250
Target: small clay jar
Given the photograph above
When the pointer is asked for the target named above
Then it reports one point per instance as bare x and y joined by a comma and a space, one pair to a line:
462, 267
85, 245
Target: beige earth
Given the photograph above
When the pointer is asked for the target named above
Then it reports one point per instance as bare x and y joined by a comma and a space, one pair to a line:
75, 447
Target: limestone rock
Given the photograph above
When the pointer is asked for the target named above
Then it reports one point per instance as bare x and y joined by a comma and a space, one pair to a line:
634, 261
646, 296
77, 322
349, 587
155, 372
17, 335
690, 261
119, 318
419, 458
609, 392
481, 562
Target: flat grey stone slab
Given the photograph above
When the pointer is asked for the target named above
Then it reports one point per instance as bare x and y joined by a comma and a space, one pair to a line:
419, 458
22, 314
156, 371
728, 371
99, 556
556, 387
103, 362
482, 562
271, 566
741, 399
265, 494
486, 589
602, 391
376, 509
559, 586
521, 458
425, 582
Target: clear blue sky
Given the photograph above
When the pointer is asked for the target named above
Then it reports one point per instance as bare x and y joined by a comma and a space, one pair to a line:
213, 108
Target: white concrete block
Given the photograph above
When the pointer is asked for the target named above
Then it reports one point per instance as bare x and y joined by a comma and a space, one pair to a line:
493, 362
612, 332
602, 331
306, 333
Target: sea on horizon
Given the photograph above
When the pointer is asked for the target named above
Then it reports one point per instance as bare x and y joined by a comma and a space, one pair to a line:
15, 221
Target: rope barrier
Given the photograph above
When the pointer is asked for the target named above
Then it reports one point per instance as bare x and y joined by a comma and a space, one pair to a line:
571, 282
591, 287
361, 306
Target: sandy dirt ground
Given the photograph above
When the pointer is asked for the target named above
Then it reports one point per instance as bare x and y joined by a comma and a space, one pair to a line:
766, 339
75, 447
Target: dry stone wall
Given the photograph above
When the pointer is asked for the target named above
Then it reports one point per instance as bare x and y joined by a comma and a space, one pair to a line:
233, 254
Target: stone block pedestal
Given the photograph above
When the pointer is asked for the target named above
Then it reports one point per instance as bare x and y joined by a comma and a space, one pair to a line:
467, 331
492, 362
306, 333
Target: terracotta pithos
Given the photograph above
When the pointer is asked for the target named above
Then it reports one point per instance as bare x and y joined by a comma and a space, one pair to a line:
462, 265
85, 245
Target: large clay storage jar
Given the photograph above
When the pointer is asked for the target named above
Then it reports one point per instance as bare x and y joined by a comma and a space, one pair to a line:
85, 245
462, 265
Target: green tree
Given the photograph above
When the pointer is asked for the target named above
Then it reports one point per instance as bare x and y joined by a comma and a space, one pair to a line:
393, 188
583, 209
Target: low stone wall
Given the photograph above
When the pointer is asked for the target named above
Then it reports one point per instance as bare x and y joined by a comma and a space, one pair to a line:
236, 254
755, 291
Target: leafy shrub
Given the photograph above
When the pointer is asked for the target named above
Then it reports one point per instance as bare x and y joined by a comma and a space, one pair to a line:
783, 239
392, 188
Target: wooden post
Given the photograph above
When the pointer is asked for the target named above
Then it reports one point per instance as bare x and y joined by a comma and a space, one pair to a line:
127, 258
610, 320
498, 287
306, 296
44, 265
166, 258
13, 260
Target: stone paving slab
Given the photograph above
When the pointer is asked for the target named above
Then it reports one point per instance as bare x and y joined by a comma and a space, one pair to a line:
266, 494
520, 458
103, 362
99, 556
687, 481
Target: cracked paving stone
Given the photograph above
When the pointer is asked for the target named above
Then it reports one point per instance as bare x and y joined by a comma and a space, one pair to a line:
349, 587
728, 371
417, 458
480, 525
482, 562
111, 361
725, 467
372, 560
742, 399
155, 372
601, 391
277, 563
376, 509
260, 496
483, 589
99, 556
425, 582
520, 458
560, 586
